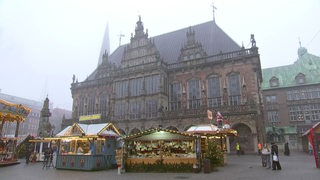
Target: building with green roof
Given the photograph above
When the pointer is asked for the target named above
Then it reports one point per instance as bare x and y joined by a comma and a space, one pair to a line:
291, 96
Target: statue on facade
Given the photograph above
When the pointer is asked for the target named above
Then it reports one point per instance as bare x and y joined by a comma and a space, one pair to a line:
253, 41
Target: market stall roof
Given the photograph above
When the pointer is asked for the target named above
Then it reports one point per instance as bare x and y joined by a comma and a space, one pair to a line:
210, 129
313, 127
104, 129
13, 112
160, 134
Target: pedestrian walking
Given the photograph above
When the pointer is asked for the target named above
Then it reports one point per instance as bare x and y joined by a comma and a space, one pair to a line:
275, 157
265, 156
259, 148
310, 148
47, 158
238, 149
28, 154
286, 149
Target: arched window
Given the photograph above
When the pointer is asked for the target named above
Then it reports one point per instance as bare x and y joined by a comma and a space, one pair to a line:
91, 104
103, 101
214, 91
194, 94
175, 96
234, 89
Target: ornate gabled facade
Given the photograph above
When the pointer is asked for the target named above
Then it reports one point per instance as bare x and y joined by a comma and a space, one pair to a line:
171, 80
292, 98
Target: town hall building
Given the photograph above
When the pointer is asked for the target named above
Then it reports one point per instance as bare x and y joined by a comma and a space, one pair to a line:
171, 80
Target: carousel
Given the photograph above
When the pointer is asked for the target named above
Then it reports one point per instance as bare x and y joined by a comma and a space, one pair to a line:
10, 113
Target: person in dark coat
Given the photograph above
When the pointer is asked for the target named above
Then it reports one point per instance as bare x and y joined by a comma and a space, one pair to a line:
275, 157
286, 149
28, 154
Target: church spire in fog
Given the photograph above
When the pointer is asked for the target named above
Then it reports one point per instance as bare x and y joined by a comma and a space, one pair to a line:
105, 44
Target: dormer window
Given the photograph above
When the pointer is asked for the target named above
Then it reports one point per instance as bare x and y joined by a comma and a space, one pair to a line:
274, 82
300, 78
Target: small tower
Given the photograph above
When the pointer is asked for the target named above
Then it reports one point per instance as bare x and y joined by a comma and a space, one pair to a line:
44, 129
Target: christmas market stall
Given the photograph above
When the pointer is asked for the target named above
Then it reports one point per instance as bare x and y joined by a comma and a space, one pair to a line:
10, 113
161, 150
38, 148
214, 141
87, 147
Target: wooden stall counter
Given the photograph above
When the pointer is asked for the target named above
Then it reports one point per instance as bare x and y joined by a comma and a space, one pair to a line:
166, 160
82, 162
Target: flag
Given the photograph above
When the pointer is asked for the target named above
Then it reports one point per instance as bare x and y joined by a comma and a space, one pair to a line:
311, 139
219, 119
219, 116
209, 114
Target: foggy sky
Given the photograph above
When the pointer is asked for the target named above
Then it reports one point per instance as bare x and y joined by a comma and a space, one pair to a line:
43, 42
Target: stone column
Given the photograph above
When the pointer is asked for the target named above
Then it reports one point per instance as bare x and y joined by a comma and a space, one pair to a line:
228, 144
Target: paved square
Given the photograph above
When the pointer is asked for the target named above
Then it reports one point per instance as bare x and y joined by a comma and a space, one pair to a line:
298, 166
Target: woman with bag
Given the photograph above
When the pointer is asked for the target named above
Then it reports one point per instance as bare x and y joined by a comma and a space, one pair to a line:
266, 161
275, 157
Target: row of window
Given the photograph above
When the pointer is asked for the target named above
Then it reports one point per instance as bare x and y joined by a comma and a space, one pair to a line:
136, 86
301, 94
297, 94
214, 94
307, 113
136, 109
91, 108
150, 85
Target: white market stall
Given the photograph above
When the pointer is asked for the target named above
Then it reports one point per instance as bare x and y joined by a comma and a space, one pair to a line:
87, 146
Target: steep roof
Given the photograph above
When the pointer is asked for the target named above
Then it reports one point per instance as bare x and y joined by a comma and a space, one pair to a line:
213, 39
307, 64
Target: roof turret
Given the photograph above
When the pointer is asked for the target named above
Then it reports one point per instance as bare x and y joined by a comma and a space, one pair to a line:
302, 51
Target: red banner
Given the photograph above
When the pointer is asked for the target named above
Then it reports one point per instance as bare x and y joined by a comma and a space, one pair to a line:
311, 139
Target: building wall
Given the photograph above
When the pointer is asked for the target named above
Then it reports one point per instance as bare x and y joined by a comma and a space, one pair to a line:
140, 58
282, 106
292, 99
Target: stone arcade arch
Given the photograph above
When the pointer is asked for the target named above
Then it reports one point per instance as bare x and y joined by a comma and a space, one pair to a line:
245, 138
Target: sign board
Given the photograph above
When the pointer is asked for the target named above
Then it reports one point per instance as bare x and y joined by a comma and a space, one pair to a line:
90, 117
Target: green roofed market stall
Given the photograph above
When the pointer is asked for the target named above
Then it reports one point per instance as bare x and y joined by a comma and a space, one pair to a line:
161, 150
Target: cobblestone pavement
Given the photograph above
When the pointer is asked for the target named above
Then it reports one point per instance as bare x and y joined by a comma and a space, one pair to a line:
298, 166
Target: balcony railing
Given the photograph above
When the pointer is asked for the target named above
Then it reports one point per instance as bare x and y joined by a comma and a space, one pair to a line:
222, 56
